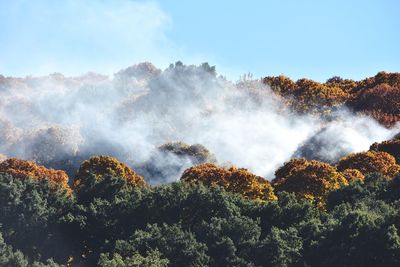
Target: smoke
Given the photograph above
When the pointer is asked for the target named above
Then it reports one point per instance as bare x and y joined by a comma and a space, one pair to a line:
58, 121
343, 134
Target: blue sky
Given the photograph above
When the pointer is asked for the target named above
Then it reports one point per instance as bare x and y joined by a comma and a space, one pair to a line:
315, 39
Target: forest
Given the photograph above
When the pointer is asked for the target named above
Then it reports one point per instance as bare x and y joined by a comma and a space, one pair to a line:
181, 167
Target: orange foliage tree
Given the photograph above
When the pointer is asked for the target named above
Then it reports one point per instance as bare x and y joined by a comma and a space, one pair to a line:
24, 168
391, 146
370, 162
309, 95
392, 79
353, 175
233, 179
310, 179
378, 96
381, 102
281, 84
313, 94
100, 166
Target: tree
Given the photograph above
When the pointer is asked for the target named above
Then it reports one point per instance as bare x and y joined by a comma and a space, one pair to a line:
37, 219
180, 247
169, 160
382, 101
8, 257
353, 175
231, 241
309, 179
391, 146
369, 162
24, 169
233, 179
281, 247
152, 259
364, 235
197, 153
102, 166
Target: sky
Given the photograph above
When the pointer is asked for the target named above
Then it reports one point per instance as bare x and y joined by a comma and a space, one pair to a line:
309, 38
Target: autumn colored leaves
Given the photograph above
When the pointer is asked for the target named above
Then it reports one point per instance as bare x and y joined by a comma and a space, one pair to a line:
310, 179
378, 96
24, 168
233, 179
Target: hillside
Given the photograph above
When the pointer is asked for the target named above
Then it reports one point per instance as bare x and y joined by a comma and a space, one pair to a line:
378, 96
182, 167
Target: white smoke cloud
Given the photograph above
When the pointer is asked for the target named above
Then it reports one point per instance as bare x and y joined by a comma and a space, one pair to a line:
59, 121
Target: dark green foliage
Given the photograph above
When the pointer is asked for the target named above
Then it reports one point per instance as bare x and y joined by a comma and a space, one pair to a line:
282, 247
37, 219
152, 259
180, 247
111, 223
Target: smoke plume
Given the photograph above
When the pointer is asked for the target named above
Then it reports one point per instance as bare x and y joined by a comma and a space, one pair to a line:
59, 121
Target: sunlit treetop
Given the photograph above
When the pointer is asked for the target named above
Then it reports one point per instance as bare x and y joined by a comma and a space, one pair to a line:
100, 166
377, 96
390, 146
370, 162
310, 179
233, 179
24, 168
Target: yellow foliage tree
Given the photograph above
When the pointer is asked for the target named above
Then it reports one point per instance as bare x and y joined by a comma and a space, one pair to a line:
353, 175
369, 162
391, 146
233, 179
100, 166
24, 168
310, 179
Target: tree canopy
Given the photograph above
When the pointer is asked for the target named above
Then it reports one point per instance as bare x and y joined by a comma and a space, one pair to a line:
233, 179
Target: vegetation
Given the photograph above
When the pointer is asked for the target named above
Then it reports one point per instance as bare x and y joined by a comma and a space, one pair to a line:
377, 96
169, 160
232, 179
312, 179
24, 169
391, 146
197, 153
101, 167
345, 213
188, 224
370, 162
